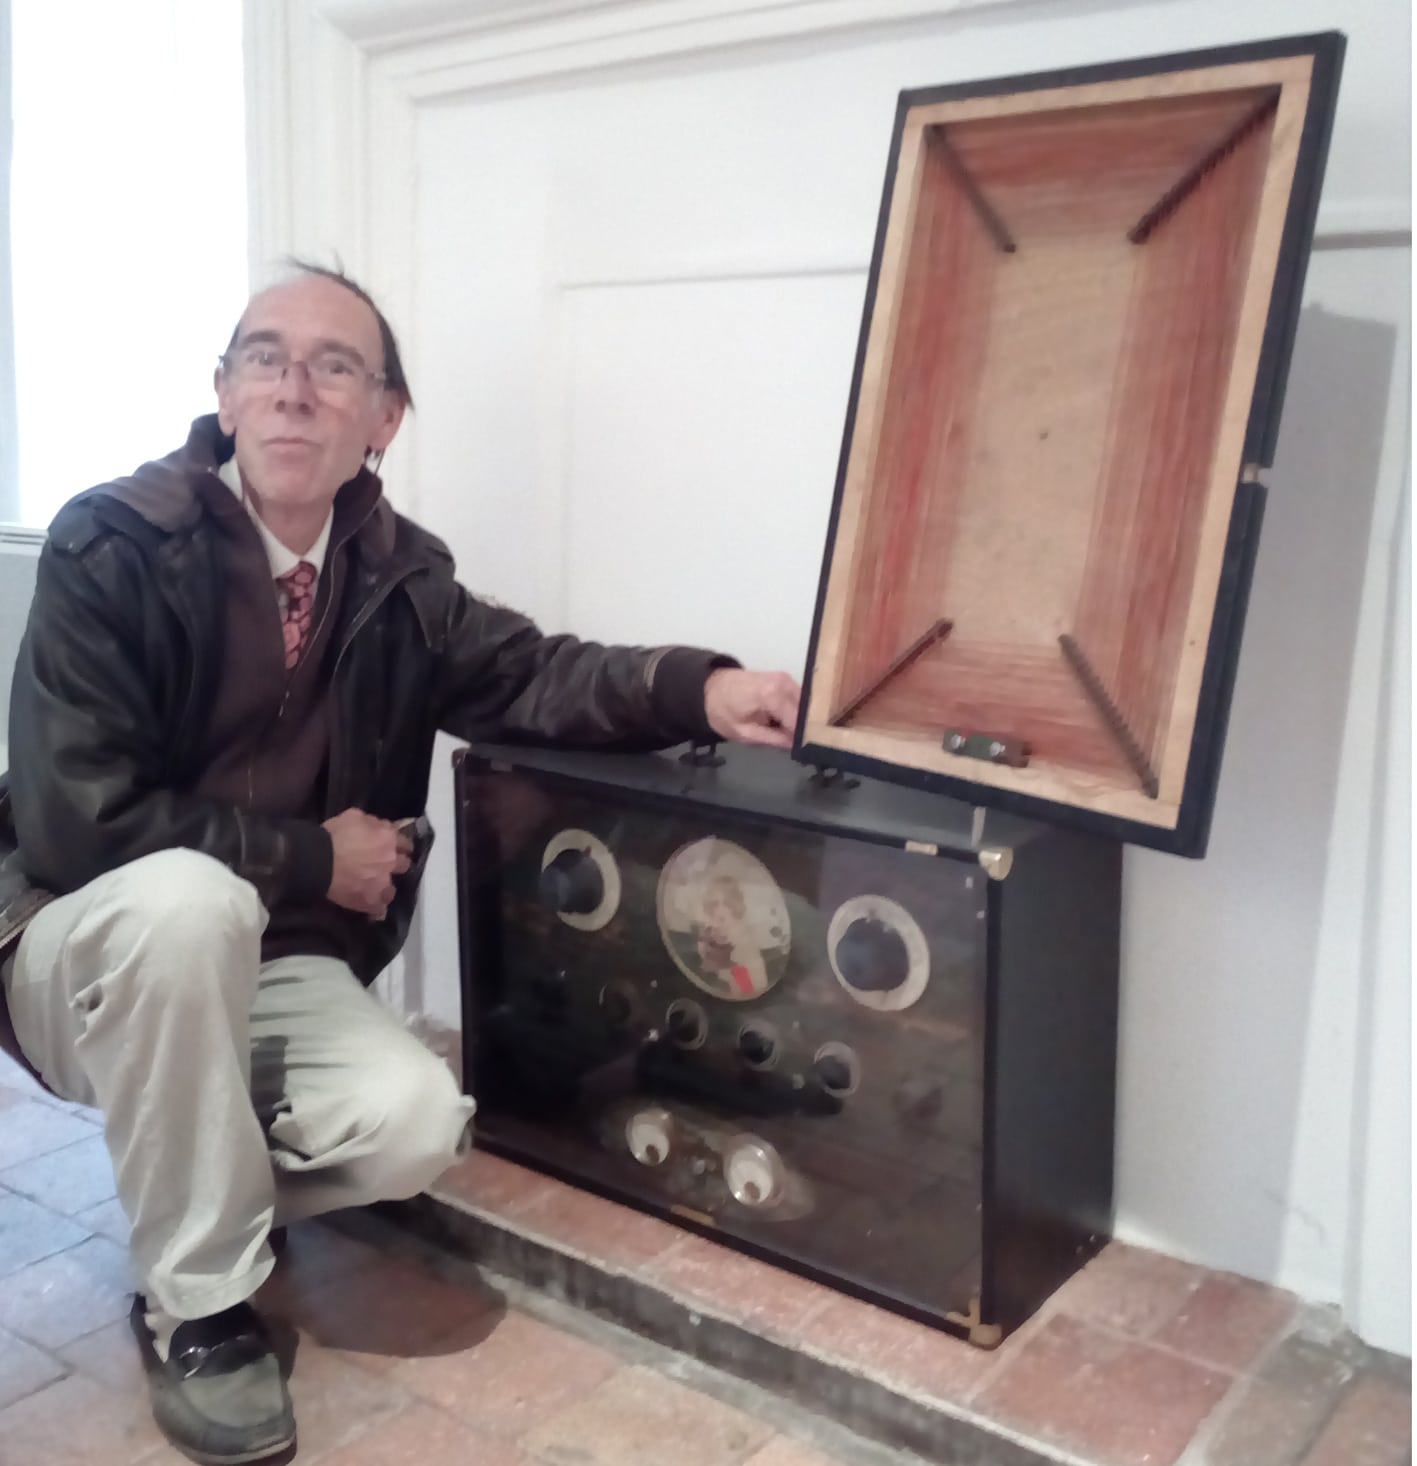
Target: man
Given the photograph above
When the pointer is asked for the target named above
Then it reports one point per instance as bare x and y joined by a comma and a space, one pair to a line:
222, 717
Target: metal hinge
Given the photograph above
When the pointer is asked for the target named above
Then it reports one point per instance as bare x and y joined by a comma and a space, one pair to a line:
982, 1335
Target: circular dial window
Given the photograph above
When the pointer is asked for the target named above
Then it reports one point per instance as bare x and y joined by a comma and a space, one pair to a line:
878, 952
723, 920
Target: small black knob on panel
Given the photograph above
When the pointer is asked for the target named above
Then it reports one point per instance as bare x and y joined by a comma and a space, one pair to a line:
756, 1046
572, 883
837, 1069
872, 956
833, 1073
686, 1024
616, 1006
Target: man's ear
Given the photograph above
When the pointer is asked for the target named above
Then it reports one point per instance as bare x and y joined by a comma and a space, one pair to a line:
223, 407
390, 417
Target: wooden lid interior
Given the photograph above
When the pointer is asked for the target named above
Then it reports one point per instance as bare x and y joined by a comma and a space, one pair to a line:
1049, 431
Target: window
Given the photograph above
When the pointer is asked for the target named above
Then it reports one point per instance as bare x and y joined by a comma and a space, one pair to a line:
126, 235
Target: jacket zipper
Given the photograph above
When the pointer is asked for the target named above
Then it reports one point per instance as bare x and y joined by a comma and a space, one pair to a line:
334, 792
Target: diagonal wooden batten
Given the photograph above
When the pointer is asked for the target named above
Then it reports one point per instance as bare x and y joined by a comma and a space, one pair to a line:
922, 643
995, 226
1116, 723
1174, 196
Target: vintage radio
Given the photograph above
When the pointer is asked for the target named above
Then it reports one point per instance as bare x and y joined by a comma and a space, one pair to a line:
1077, 330
864, 1032
869, 1032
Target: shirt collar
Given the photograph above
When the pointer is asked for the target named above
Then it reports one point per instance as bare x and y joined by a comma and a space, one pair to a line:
283, 560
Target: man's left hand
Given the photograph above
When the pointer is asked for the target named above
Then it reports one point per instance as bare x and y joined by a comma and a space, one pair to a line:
752, 707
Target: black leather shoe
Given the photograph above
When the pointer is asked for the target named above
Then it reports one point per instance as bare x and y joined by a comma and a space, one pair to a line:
219, 1396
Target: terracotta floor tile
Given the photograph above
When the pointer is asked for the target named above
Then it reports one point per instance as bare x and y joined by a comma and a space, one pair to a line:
508, 1374
33, 1129
1227, 1321
1129, 1289
69, 1180
1273, 1418
29, 1232
422, 1436
599, 1229
739, 1287
108, 1219
68, 1295
785, 1452
1119, 1399
1371, 1427
24, 1369
78, 1423
898, 1350
336, 1402
641, 1418
379, 1315
315, 1255
491, 1184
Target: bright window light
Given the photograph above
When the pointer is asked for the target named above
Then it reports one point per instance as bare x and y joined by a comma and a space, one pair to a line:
128, 231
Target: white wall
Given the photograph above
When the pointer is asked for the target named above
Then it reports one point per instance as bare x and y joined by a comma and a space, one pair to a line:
632, 291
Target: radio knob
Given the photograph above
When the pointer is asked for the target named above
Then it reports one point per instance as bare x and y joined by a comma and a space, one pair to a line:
650, 1135
837, 1069
756, 1046
754, 1171
834, 1073
572, 883
872, 956
616, 1006
686, 1024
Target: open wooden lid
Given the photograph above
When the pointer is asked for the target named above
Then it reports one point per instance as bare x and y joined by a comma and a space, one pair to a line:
1077, 329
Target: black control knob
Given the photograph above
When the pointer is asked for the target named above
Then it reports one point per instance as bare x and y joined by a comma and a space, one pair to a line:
833, 1073
616, 1006
756, 1046
572, 883
686, 1024
872, 957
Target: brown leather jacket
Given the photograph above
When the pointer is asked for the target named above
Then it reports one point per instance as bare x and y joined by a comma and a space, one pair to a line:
118, 667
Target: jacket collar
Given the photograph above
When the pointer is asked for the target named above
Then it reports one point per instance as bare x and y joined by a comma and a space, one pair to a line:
172, 493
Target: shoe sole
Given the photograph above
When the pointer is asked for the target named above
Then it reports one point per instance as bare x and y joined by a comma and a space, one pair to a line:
245, 1458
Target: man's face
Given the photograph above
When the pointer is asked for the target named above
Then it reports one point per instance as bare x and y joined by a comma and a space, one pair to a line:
298, 439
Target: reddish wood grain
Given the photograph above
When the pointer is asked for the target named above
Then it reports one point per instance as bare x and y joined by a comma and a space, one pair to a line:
1156, 411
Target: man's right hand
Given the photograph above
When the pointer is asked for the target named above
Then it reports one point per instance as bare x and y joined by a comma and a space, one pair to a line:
368, 853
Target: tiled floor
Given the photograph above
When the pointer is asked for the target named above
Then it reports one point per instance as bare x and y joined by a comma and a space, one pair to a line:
1140, 1361
392, 1361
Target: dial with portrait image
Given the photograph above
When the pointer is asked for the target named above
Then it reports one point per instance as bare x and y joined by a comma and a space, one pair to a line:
723, 920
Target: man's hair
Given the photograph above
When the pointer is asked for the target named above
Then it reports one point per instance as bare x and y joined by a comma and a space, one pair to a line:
394, 379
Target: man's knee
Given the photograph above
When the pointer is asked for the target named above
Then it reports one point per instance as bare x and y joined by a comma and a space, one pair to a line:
415, 1120
183, 893
172, 903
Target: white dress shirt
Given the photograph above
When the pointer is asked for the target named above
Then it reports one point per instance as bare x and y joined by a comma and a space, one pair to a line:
283, 559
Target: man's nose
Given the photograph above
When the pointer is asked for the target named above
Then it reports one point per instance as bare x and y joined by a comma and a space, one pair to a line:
295, 387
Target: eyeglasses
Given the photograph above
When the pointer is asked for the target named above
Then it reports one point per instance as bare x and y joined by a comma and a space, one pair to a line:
332, 373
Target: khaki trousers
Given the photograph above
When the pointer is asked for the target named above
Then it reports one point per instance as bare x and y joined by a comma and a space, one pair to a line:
236, 1095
